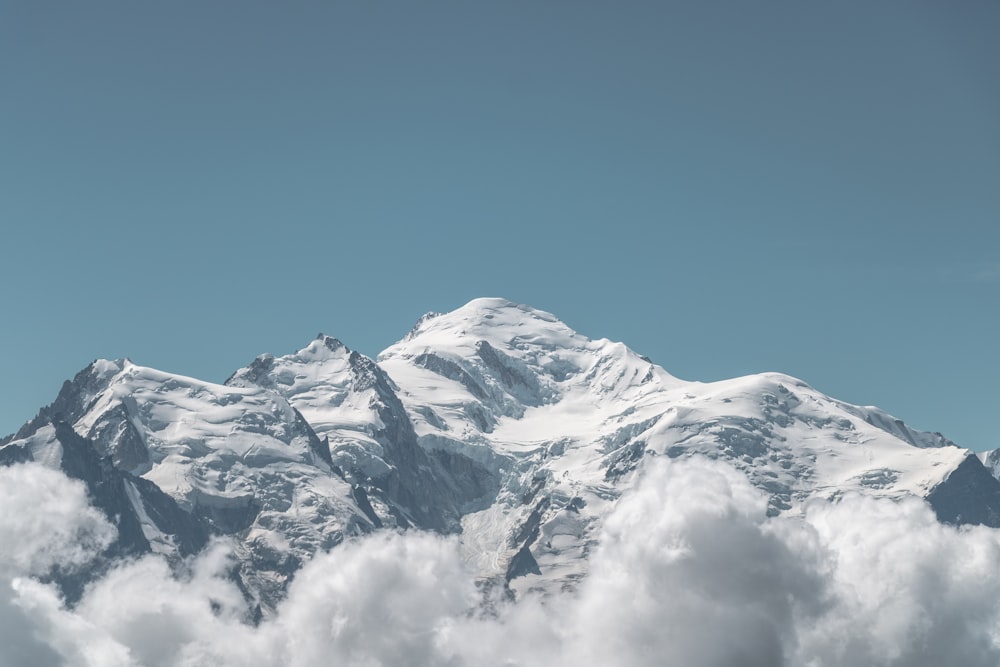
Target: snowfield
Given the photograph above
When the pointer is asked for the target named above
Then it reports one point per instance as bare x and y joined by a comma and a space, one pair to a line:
495, 452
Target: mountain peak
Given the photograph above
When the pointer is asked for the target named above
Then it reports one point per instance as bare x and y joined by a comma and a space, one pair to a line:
331, 343
321, 348
324, 355
102, 369
488, 308
501, 322
495, 421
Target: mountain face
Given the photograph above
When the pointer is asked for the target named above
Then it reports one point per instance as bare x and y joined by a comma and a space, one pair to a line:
496, 422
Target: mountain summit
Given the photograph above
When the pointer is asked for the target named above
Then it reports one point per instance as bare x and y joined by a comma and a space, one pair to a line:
496, 422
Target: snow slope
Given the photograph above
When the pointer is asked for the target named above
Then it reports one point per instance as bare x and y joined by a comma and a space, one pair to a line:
496, 421
241, 461
573, 419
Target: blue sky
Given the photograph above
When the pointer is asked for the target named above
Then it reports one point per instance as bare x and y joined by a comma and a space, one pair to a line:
728, 187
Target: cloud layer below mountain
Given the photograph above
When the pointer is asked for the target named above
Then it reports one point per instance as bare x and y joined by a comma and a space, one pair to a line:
690, 571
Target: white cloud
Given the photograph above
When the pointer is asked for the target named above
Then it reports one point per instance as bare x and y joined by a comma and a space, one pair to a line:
166, 619
908, 590
694, 575
46, 521
385, 600
690, 571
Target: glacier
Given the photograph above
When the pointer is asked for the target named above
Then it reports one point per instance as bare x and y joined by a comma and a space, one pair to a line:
495, 423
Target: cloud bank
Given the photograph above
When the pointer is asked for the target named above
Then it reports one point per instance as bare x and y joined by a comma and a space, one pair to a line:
690, 572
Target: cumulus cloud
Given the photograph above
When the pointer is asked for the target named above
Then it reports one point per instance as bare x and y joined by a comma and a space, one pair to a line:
907, 590
690, 571
45, 523
385, 600
166, 618
695, 576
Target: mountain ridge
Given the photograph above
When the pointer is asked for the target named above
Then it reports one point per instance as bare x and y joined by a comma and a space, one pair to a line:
495, 421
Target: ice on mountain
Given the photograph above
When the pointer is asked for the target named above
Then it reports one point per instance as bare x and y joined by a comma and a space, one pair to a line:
495, 421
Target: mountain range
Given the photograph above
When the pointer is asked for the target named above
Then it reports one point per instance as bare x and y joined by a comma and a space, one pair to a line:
495, 422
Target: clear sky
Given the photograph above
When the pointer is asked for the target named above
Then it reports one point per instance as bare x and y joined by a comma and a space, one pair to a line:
727, 187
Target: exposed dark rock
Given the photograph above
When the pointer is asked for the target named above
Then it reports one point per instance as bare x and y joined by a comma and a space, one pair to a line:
625, 460
320, 448
528, 532
511, 374
116, 435
107, 491
258, 372
11, 454
72, 402
969, 495
452, 371
361, 498
522, 564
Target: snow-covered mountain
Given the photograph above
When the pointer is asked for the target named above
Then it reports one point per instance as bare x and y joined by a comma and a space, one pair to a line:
495, 421
186, 459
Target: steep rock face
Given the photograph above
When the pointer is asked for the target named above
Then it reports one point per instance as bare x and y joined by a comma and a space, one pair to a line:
968, 495
146, 519
141, 512
185, 458
496, 420
353, 407
991, 461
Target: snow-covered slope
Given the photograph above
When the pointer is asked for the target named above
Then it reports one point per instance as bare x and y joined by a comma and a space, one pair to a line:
238, 461
353, 407
496, 420
991, 460
572, 420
